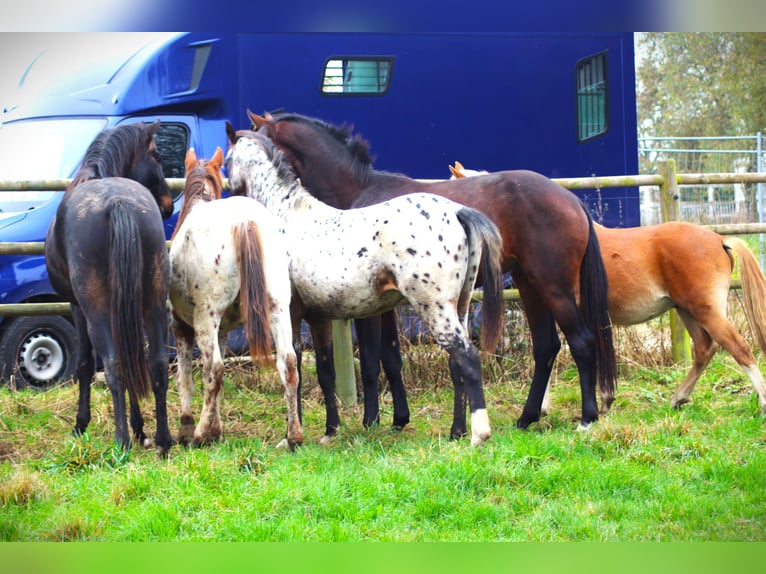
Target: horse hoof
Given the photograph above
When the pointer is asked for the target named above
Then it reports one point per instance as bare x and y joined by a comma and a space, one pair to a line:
326, 439
584, 427
677, 403
399, 424
480, 430
291, 444
523, 423
282, 444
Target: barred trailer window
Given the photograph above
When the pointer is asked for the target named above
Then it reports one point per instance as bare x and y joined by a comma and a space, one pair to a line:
592, 97
356, 76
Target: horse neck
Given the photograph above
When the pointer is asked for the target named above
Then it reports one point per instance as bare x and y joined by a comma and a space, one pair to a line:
282, 198
335, 183
382, 186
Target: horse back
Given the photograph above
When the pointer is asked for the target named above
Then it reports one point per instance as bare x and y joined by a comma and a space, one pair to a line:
77, 237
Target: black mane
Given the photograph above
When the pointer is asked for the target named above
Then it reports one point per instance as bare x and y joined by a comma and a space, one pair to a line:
356, 146
114, 152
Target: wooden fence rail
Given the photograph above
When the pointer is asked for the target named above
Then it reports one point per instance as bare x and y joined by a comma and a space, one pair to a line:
667, 179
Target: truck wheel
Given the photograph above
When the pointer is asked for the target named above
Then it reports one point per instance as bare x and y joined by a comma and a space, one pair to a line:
38, 352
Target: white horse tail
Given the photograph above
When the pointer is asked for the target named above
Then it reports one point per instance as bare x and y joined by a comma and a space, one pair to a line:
753, 287
253, 295
483, 235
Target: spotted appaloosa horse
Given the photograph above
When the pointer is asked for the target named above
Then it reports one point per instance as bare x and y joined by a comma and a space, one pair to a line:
362, 262
106, 254
227, 267
679, 265
549, 246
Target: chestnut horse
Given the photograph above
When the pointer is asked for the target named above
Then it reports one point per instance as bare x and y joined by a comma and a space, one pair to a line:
106, 254
549, 246
227, 267
686, 267
346, 264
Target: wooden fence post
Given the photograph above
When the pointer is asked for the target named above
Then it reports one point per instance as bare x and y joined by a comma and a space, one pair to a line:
343, 357
680, 345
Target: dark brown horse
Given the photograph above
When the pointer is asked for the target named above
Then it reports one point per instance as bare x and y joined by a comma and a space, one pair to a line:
655, 268
549, 246
106, 254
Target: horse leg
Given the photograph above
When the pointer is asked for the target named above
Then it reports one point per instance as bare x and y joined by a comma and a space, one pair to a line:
321, 333
465, 370
210, 428
99, 330
184, 337
708, 330
86, 368
156, 328
287, 366
368, 335
545, 346
582, 347
391, 357
137, 423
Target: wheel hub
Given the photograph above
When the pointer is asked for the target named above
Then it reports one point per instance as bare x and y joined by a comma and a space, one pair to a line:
41, 358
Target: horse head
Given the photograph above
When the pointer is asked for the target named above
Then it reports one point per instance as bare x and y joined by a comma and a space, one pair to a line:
147, 170
331, 162
128, 151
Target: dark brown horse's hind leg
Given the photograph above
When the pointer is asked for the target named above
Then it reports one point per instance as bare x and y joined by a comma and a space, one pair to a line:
545, 347
85, 370
391, 358
581, 345
321, 335
158, 366
368, 335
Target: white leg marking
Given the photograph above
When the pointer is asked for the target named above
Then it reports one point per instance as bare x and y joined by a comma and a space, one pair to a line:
480, 430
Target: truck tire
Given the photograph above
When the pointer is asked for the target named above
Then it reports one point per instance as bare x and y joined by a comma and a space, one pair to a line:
38, 352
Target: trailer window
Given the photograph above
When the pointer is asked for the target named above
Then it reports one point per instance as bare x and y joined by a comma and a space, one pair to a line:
356, 76
172, 143
592, 97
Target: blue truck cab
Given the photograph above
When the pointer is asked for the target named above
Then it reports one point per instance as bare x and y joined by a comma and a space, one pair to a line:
560, 104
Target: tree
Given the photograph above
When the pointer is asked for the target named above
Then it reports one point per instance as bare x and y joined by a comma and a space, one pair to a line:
701, 84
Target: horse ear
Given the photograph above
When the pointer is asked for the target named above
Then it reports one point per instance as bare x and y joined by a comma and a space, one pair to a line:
217, 160
459, 166
152, 128
456, 173
231, 133
258, 121
191, 159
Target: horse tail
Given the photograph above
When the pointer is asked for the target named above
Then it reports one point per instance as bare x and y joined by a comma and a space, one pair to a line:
253, 295
483, 234
594, 303
126, 263
753, 287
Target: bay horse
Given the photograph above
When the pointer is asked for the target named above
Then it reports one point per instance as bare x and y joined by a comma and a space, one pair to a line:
549, 246
227, 268
346, 264
106, 255
683, 266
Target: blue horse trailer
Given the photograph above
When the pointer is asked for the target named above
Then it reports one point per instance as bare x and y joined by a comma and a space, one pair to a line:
562, 104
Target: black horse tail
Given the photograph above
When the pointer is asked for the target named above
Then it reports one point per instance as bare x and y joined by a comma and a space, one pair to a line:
594, 303
483, 234
253, 296
126, 264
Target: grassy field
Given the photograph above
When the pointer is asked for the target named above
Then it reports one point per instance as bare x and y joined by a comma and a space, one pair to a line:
644, 472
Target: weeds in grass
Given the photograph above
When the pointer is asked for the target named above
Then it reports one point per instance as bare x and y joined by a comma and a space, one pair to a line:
643, 472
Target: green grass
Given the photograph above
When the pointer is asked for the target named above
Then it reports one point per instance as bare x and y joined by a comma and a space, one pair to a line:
644, 472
